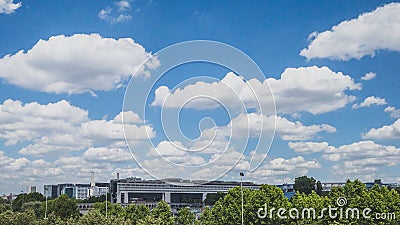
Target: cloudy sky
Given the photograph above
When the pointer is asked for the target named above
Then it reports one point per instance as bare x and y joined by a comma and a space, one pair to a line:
332, 68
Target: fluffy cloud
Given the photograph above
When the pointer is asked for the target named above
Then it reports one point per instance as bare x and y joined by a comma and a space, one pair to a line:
19, 122
312, 89
8, 164
176, 153
370, 32
231, 91
362, 157
356, 159
369, 76
123, 5
309, 147
8, 6
76, 64
395, 113
116, 14
369, 101
60, 128
280, 170
107, 155
253, 124
386, 132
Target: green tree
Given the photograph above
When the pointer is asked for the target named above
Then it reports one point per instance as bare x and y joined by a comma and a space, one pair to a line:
18, 218
207, 217
4, 207
24, 198
304, 184
62, 207
34, 206
55, 220
163, 212
3, 201
268, 197
112, 209
378, 199
95, 217
185, 216
212, 198
136, 212
227, 210
309, 208
150, 220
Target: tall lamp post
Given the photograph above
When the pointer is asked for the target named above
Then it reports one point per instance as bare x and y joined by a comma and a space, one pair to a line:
241, 189
45, 212
106, 205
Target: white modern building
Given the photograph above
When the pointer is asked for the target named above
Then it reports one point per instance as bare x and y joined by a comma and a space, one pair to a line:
173, 191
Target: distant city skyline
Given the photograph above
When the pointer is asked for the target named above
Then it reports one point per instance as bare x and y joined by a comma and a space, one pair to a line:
332, 68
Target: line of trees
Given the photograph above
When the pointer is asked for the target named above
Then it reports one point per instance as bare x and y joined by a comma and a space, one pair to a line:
225, 211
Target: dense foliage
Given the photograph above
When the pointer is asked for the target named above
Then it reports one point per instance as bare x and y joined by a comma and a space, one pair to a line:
261, 206
304, 184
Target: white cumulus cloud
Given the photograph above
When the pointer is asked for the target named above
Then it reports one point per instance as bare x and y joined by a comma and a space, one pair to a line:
356, 38
355, 160
279, 170
309, 147
252, 124
369, 101
311, 89
117, 14
369, 76
386, 132
8, 6
76, 64
362, 157
61, 128
395, 113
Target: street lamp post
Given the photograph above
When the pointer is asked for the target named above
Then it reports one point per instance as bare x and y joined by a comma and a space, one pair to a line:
106, 205
45, 212
241, 189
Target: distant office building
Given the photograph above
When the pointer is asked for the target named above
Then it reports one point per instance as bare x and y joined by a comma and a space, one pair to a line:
31, 189
76, 191
97, 191
173, 191
50, 191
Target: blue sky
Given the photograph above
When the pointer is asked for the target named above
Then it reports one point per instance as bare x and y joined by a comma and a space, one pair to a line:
65, 66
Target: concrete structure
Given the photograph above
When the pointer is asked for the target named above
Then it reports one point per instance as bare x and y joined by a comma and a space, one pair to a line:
97, 189
173, 191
